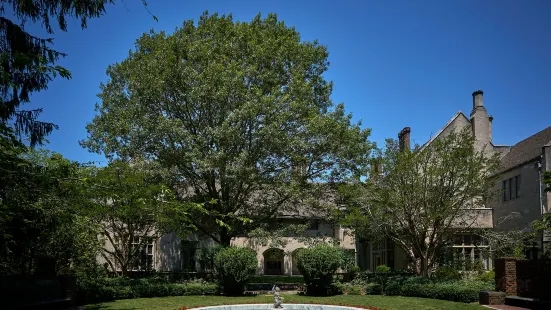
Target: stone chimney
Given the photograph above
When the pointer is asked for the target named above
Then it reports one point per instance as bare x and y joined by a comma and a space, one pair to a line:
404, 139
481, 123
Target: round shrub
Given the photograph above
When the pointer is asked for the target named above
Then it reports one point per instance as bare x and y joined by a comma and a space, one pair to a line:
234, 267
318, 265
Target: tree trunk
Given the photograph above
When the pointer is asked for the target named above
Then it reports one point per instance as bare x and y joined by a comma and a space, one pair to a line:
424, 270
225, 237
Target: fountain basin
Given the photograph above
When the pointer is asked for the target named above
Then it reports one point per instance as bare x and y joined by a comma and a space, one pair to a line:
271, 307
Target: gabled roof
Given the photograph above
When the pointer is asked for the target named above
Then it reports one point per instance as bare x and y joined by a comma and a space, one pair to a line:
526, 150
458, 114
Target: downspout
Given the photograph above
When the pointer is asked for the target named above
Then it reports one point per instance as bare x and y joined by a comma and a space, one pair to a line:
542, 209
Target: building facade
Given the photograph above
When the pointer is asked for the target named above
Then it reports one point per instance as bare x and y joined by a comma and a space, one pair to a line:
521, 200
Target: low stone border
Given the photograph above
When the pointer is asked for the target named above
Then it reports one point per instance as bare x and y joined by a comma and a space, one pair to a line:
285, 307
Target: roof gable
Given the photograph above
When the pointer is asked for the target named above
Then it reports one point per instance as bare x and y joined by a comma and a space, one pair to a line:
457, 115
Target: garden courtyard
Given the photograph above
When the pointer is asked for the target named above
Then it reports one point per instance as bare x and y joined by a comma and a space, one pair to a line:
374, 301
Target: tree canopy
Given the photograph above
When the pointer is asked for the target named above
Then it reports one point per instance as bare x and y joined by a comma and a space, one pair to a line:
422, 197
239, 112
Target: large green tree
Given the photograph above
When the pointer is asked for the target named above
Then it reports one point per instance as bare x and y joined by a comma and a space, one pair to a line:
238, 111
422, 197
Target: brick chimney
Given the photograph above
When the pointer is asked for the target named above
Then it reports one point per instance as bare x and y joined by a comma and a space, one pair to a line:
404, 139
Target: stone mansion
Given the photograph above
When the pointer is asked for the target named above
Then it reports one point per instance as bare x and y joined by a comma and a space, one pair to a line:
520, 183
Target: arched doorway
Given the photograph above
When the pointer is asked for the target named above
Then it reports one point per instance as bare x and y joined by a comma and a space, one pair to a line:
273, 261
294, 261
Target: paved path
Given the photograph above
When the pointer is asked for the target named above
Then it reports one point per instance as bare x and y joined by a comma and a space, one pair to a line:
504, 307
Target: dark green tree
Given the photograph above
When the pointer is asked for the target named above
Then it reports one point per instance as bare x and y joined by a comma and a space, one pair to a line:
41, 232
239, 112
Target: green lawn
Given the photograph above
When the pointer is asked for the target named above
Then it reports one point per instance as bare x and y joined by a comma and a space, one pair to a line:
383, 302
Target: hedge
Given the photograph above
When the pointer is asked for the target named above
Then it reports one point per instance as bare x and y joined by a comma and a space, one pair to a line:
98, 292
278, 279
460, 291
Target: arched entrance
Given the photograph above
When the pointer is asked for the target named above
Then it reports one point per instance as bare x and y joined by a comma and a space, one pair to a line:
273, 261
294, 261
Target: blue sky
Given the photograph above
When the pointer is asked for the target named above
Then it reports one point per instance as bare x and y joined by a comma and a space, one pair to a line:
394, 63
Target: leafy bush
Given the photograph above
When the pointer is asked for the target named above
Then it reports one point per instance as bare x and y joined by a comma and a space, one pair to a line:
348, 264
205, 256
234, 267
460, 291
318, 265
489, 276
373, 289
382, 269
381, 275
393, 288
347, 288
447, 273
369, 276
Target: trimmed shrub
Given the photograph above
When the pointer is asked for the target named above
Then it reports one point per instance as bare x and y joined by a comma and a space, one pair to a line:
318, 265
460, 291
234, 267
373, 289
447, 273
111, 289
384, 277
393, 288
382, 269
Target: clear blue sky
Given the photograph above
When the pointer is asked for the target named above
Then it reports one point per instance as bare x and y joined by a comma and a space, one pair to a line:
394, 63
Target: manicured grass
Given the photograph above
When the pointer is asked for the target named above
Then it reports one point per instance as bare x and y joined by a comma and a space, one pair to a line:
383, 302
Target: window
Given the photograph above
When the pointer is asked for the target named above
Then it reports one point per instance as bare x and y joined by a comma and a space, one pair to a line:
511, 188
144, 259
471, 248
314, 225
506, 190
383, 253
189, 248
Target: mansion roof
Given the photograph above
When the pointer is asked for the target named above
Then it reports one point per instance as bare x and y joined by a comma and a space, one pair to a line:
526, 150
